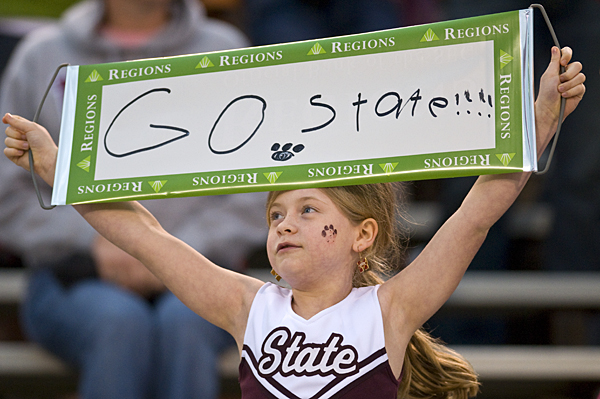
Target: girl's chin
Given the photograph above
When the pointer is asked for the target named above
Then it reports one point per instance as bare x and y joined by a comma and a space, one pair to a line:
291, 273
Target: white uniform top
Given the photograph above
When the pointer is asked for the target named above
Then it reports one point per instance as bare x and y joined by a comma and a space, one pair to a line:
339, 352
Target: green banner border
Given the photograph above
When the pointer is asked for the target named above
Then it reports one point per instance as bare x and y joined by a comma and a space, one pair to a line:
504, 29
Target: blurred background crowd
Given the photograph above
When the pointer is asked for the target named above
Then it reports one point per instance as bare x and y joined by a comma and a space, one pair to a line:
101, 312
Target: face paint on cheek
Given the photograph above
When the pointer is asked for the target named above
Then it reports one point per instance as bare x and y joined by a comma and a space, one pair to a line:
329, 233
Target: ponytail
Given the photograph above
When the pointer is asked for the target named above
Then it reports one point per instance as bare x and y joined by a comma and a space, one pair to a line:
432, 370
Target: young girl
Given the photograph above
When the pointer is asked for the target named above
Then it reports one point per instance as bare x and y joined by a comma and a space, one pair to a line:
340, 331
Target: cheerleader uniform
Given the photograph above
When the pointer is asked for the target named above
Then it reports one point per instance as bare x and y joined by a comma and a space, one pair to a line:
337, 353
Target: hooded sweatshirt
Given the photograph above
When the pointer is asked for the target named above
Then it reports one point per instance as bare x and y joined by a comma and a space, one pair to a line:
209, 224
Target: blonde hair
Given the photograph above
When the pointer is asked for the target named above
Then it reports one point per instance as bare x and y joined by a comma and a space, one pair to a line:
431, 370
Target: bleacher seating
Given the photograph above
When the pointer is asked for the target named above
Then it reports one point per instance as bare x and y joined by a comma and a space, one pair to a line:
488, 289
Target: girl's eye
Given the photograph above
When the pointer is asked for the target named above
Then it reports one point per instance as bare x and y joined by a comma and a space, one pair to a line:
276, 216
308, 209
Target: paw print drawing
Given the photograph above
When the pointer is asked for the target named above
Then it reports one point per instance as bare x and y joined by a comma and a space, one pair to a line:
284, 154
329, 232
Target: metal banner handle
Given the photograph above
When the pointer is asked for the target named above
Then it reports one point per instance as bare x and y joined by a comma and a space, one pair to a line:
562, 100
35, 119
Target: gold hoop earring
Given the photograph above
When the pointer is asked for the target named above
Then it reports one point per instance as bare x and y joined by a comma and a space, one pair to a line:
363, 263
274, 273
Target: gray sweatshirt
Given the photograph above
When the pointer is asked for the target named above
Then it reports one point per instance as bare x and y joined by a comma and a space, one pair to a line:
224, 228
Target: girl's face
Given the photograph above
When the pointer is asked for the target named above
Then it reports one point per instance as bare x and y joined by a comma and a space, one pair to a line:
310, 240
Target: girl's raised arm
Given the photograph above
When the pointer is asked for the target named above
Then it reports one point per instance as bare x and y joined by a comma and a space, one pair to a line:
415, 294
220, 296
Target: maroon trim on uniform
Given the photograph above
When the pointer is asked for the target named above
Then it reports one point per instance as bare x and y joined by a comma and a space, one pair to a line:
362, 364
377, 380
270, 380
253, 389
364, 386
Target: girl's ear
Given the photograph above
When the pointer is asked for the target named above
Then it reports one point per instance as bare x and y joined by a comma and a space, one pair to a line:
367, 231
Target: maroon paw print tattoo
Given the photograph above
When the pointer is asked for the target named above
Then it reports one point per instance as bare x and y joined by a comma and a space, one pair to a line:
329, 232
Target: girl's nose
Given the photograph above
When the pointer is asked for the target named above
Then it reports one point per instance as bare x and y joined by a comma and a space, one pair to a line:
287, 225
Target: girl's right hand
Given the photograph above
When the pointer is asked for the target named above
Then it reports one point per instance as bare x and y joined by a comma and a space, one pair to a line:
23, 136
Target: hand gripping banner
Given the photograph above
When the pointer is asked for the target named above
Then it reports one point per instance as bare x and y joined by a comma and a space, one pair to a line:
440, 100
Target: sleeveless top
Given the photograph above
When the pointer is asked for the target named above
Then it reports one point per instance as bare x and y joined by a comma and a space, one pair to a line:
337, 353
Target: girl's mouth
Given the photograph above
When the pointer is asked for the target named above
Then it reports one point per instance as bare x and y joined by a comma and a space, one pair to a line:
286, 245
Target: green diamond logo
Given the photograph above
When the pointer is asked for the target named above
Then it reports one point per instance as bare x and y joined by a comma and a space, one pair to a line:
505, 158
272, 176
389, 167
94, 77
505, 59
316, 50
85, 164
157, 185
429, 36
205, 63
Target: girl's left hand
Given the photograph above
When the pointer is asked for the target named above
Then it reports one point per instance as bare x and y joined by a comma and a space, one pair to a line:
554, 85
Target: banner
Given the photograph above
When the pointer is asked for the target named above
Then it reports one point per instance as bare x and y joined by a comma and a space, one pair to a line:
440, 100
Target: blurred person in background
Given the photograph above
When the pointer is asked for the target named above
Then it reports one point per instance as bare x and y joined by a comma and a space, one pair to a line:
280, 21
7, 45
89, 302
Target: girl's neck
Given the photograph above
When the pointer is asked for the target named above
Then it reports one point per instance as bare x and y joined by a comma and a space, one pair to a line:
306, 304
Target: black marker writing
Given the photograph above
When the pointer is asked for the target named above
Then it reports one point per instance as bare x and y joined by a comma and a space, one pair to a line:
387, 104
125, 154
357, 104
439, 102
415, 97
262, 119
316, 104
468, 96
396, 107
